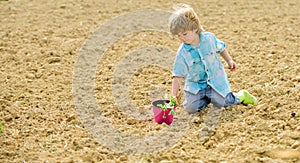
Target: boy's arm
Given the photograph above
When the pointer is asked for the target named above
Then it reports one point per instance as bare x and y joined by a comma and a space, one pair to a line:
176, 82
228, 59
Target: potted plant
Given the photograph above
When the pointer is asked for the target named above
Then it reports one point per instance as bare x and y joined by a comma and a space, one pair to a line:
164, 110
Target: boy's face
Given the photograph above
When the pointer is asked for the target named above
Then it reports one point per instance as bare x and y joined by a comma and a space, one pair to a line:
189, 37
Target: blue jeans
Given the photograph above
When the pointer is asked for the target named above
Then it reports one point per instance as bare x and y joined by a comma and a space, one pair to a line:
196, 102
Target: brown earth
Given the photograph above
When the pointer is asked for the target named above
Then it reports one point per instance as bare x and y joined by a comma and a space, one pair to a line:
39, 46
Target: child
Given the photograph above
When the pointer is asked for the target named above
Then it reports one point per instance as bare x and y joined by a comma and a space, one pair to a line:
197, 62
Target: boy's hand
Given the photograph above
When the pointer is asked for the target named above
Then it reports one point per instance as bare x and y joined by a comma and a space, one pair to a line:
178, 99
232, 65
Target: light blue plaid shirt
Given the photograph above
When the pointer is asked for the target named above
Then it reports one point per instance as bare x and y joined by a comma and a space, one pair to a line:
200, 66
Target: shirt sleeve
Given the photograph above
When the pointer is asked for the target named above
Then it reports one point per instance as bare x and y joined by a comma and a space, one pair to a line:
180, 67
220, 45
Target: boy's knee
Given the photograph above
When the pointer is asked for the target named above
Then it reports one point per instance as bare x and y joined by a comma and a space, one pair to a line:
218, 104
190, 108
193, 108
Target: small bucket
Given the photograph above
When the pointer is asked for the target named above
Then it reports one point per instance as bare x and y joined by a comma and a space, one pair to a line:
159, 113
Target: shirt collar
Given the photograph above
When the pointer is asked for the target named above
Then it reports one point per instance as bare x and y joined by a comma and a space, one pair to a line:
188, 47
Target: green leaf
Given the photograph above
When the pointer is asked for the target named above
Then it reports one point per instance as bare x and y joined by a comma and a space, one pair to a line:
160, 105
163, 107
172, 100
172, 112
169, 105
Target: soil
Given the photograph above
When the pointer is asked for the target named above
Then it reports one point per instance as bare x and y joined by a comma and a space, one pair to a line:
44, 116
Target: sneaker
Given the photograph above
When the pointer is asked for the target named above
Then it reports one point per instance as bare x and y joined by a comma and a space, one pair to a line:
246, 98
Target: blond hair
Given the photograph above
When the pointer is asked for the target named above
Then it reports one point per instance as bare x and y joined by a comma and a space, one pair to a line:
184, 19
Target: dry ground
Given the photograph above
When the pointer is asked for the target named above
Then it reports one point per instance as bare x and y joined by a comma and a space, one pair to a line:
39, 46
